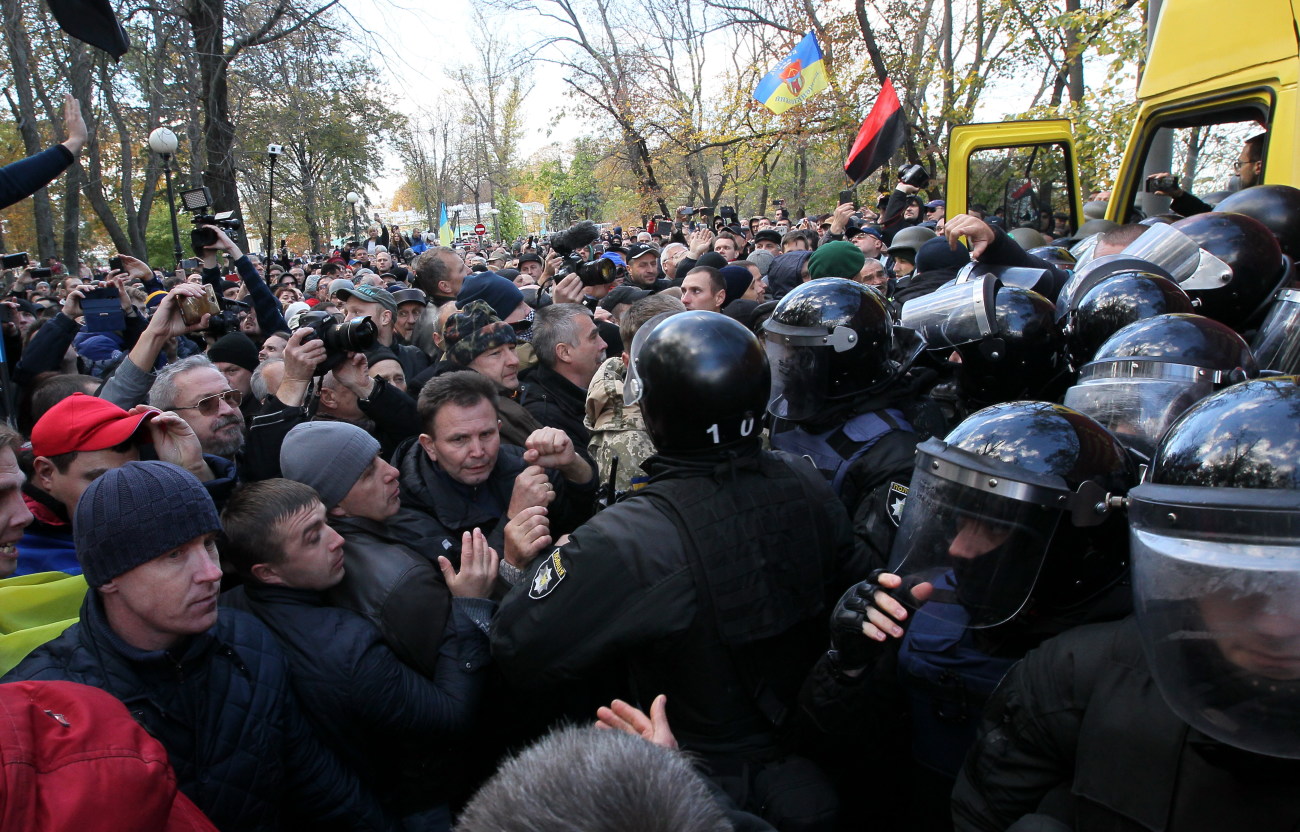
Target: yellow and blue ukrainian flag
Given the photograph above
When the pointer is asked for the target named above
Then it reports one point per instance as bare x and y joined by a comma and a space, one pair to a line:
444, 230
798, 77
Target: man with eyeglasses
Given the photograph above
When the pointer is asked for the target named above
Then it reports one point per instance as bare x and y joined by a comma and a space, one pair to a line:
1249, 168
199, 393
74, 443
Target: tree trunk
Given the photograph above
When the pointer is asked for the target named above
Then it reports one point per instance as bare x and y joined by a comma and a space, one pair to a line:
94, 183
1074, 55
20, 53
207, 18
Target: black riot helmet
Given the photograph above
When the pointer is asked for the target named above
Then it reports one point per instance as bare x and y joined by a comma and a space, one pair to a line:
1216, 568
1276, 206
1145, 375
1007, 337
1057, 255
1016, 503
701, 380
1085, 277
1256, 267
1114, 303
828, 340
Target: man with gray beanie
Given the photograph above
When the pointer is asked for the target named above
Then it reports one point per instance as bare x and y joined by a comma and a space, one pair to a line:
388, 579
214, 690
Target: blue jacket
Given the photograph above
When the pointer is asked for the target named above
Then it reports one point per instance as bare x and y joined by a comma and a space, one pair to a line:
221, 704
25, 177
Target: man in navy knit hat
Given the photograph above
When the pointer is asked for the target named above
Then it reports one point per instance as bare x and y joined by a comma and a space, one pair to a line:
214, 690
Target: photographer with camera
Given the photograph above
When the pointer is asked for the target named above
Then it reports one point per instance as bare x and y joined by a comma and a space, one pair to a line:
48, 346
266, 307
896, 215
1249, 168
346, 393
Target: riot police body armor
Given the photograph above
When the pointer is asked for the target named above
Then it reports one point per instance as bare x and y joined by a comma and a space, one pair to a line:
712, 582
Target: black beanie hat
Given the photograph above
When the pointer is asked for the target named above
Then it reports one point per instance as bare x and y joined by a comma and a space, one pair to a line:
235, 348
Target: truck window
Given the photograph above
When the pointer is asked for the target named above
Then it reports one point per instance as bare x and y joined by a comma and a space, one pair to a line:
1201, 152
1027, 186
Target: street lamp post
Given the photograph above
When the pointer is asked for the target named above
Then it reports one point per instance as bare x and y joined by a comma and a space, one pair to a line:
496, 232
274, 152
353, 198
164, 142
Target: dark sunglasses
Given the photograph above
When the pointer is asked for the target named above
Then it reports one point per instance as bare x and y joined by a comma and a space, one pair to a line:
208, 405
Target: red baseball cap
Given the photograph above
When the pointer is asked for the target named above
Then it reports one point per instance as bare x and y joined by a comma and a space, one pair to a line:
84, 423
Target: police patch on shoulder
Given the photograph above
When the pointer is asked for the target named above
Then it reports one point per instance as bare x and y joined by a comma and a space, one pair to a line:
894, 501
548, 577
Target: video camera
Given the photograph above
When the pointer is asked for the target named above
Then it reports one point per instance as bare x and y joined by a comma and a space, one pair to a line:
197, 201
596, 273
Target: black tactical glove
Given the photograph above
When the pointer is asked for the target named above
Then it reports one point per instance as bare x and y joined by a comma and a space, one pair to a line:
851, 651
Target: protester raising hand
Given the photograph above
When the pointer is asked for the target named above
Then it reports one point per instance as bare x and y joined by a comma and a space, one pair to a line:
478, 567
621, 716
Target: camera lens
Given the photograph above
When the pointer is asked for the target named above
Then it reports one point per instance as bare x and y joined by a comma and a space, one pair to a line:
353, 336
598, 272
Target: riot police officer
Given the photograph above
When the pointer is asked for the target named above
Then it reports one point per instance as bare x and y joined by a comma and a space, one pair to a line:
711, 583
1152, 370
842, 397
1009, 537
1006, 341
1187, 714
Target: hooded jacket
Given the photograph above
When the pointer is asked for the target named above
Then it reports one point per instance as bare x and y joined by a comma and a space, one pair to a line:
443, 508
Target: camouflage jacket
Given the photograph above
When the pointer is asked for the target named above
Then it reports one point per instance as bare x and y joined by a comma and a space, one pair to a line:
617, 430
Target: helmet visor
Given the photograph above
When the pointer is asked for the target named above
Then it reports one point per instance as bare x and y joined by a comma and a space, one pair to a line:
1217, 600
1021, 277
1277, 344
634, 387
1083, 251
956, 314
964, 546
1137, 411
799, 377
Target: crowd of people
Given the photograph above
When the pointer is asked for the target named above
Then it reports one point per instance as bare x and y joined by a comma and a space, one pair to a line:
876, 517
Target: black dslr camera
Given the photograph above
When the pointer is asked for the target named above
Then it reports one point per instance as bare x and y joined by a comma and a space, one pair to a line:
357, 335
197, 202
914, 175
597, 272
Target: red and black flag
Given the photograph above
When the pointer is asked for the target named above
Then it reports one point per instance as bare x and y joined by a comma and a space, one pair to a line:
881, 134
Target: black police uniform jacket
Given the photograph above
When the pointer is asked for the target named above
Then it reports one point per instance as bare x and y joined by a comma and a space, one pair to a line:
1079, 737
221, 704
712, 584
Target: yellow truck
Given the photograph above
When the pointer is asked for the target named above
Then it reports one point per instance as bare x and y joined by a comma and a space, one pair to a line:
1216, 75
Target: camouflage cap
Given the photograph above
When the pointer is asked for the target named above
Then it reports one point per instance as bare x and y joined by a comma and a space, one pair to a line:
472, 331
